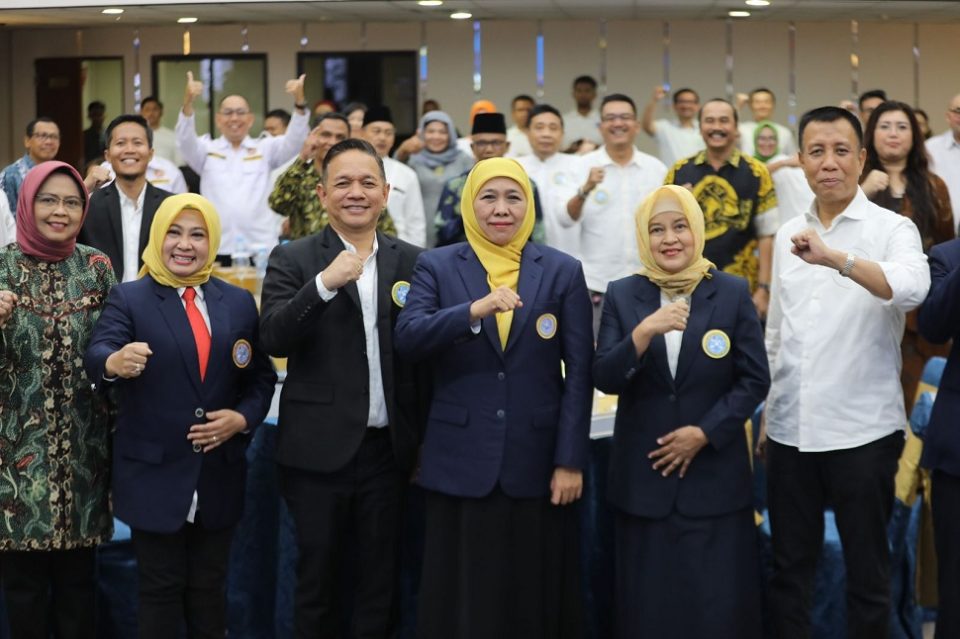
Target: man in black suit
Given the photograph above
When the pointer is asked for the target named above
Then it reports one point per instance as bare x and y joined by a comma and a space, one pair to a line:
350, 408
120, 214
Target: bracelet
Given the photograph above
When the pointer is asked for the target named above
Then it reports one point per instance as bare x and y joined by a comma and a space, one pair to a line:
848, 265
299, 106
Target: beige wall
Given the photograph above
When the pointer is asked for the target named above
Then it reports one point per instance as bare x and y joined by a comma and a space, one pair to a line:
634, 60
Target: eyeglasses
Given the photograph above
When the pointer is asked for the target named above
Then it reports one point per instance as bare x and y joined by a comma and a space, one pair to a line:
954, 111
231, 112
47, 201
491, 144
619, 117
46, 137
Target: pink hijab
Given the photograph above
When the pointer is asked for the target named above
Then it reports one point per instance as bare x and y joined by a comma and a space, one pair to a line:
28, 236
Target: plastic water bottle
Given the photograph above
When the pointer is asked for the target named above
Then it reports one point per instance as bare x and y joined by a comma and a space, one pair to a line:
241, 253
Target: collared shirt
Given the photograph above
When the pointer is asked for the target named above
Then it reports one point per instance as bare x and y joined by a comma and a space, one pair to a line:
739, 205
556, 179
944, 151
833, 348
165, 145
160, 172
237, 180
12, 177
201, 305
784, 138
405, 202
676, 142
519, 143
131, 216
672, 339
581, 127
8, 224
367, 288
608, 231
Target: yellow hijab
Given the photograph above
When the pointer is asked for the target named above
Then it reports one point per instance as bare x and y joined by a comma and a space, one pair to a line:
502, 263
673, 198
153, 264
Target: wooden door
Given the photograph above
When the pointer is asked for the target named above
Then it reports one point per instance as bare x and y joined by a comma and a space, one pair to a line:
59, 97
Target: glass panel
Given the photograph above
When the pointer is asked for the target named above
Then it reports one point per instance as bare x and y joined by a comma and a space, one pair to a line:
169, 79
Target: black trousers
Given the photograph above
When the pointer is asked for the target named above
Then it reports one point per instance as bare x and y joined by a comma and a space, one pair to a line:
946, 532
50, 591
183, 577
858, 484
347, 525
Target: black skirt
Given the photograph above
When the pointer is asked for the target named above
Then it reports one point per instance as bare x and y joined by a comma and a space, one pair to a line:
499, 567
687, 577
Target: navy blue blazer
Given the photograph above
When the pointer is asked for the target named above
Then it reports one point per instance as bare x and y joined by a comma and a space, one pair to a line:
716, 394
155, 470
506, 417
939, 320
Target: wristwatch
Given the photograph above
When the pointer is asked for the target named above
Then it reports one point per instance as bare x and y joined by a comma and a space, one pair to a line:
848, 265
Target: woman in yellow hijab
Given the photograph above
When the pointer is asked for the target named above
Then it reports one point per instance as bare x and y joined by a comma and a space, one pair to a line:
505, 327
681, 344
182, 350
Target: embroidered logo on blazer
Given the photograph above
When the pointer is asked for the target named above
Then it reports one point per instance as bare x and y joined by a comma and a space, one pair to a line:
399, 293
547, 325
242, 353
716, 344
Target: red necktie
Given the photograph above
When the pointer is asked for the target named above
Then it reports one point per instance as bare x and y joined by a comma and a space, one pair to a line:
200, 333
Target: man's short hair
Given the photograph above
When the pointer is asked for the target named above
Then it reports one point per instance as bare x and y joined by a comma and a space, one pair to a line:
873, 93
763, 90
736, 116
830, 114
151, 98
31, 127
585, 79
96, 105
129, 117
618, 97
281, 114
332, 115
352, 144
679, 92
524, 97
540, 109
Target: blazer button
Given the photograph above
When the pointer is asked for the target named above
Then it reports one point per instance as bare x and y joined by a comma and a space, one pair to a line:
198, 413
501, 413
197, 447
501, 376
672, 398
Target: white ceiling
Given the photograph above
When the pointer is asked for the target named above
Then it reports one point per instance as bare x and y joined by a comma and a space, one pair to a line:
59, 13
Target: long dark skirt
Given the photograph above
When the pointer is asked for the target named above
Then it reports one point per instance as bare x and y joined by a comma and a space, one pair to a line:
500, 568
687, 577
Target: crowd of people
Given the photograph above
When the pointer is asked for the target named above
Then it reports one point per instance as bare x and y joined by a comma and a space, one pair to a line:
447, 305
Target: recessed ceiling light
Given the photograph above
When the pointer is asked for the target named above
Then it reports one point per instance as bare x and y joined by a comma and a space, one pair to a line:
186, 20
461, 15
112, 12
430, 3
758, 3
739, 14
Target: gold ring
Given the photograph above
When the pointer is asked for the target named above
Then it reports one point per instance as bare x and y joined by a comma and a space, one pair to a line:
214, 439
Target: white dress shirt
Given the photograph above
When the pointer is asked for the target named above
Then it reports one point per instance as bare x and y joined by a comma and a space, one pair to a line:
367, 288
237, 180
673, 340
944, 151
161, 173
519, 142
131, 216
8, 223
201, 305
557, 179
608, 233
675, 142
581, 127
833, 348
165, 145
405, 202
784, 138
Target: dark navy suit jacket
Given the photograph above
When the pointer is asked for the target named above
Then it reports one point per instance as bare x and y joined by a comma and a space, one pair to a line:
718, 395
506, 417
940, 321
155, 470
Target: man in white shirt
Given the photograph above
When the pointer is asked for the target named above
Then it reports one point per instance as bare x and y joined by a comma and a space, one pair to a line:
762, 102
944, 151
676, 139
517, 134
615, 179
844, 275
164, 139
235, 169
582, 122
120, 215
556, 175
405, 203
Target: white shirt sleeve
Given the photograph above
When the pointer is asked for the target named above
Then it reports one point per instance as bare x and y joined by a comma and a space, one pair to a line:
905, 266
191, 147
282, 148
774, 310
325, 294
